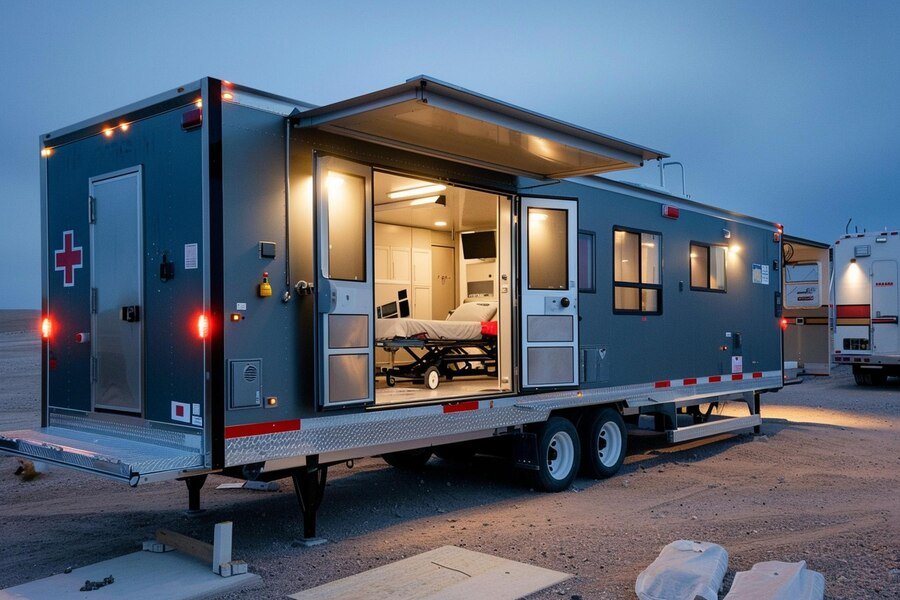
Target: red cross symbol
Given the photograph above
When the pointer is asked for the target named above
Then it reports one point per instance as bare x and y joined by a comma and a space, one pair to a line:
68, 259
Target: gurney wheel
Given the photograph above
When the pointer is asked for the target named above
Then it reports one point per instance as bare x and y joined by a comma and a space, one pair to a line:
390, 380
432, 378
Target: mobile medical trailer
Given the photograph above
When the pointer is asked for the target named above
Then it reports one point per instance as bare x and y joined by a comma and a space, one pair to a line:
240, 283
807, 303
867, 303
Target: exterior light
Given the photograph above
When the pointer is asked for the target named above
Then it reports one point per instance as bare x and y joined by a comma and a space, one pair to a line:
46, 152
124, 126
202, 326
108, 132
784, 324
199, 103
46, 328
227, 96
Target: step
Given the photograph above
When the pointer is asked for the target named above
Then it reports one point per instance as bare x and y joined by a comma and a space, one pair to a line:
692, 432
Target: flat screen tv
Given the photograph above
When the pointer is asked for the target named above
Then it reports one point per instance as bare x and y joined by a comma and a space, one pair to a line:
479, 244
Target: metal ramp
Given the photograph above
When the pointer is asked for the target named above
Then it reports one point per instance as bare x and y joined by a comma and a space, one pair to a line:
103, 454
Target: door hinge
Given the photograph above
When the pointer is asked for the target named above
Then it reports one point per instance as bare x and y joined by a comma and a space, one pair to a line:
93, 301
92, 209
93, 368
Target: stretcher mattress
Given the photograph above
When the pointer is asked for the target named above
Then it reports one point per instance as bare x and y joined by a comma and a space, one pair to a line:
388, 329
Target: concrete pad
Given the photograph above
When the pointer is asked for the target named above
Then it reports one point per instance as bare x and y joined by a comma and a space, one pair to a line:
138, 576
446, 573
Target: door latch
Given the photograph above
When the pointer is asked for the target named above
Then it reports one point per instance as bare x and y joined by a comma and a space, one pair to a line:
131, 314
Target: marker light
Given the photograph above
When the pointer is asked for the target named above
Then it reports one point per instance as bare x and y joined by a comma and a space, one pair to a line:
202, 327
417, 191
124, 126
784, 324
227, 96
46, 328
108, 132
199, 103
45, 152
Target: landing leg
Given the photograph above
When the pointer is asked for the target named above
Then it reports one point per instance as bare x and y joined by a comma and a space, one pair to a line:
309, 485
758, 428
194, 484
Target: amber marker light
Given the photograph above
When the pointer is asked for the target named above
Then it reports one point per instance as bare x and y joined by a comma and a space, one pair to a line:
124, 126
199, 103
227, 96
46, 152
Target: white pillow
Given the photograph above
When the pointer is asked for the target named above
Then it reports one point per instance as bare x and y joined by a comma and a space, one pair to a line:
474, 311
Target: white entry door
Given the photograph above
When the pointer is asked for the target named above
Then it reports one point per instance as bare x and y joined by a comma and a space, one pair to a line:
549, 298
344, 285
885, 301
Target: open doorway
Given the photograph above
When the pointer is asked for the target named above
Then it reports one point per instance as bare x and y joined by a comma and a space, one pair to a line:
443, 289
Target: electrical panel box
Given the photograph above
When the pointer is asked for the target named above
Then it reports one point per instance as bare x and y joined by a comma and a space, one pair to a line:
245, 389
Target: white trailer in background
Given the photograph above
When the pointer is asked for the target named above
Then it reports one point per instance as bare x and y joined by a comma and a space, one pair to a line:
867, 304
807, 300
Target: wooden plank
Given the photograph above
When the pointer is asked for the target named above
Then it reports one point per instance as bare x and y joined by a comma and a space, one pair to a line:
186, 545
446, 573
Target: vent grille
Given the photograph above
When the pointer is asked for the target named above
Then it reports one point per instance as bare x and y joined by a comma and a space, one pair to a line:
250, 373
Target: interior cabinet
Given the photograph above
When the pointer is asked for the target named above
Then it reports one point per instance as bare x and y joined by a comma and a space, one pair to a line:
421, 267
421, 305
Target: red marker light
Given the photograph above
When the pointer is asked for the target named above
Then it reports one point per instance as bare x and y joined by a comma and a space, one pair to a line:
784, 324
46, 328
202, 327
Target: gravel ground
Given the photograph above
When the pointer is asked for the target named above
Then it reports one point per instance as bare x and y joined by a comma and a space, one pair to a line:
821, 485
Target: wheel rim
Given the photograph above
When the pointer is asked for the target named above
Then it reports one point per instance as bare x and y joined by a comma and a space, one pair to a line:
609, 444
433, 378
560, 455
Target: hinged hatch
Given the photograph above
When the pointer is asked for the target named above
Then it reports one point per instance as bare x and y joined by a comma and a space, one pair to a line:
438, 119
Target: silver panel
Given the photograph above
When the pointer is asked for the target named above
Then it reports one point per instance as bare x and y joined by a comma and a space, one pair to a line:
716, 427
117, 276
550, 329
348, 377
245, 389
550, 365
130, 428
404, 428
348, 331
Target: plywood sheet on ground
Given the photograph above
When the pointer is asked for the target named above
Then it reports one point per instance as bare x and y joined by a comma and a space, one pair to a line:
446, 573
138, 576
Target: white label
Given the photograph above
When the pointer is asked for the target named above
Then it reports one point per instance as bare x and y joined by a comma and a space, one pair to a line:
737, 364
727, 334
240, 306
195, 409
198, 421
190, 256
760, 274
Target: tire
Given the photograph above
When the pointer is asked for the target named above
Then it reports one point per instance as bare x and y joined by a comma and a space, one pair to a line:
432, 378
604, 442
863, 379
410, 460
390, 380
559, 455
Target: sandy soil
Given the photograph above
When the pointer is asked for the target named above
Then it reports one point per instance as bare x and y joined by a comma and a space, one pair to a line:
822, 485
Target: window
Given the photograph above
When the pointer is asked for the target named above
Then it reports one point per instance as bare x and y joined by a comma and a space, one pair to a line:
586, 262
708, 267
346, 226
637, 287
548, 256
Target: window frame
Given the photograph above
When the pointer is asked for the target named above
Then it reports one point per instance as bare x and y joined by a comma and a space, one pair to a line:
593, 271
640, 286
708, 288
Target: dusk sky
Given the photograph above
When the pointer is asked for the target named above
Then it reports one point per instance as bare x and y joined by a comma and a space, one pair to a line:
789, 111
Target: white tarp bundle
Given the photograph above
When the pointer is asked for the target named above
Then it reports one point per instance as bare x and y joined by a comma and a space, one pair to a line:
776, 580
684, 570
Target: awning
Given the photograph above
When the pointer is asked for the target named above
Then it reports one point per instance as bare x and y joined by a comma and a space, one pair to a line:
438, 119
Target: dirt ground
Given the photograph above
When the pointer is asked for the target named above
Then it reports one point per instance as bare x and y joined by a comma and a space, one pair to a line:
821, 485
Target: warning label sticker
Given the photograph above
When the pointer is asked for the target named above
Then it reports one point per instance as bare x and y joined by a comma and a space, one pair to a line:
761, 274
190, 256
737, 364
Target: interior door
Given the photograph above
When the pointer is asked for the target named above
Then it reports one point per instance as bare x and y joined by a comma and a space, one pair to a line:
116, 291
885, 303
443, 281
344, 285
549, 297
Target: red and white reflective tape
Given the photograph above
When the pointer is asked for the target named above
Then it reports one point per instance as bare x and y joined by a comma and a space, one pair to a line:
689, 381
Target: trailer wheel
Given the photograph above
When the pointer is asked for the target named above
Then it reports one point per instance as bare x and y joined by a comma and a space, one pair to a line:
432, 378
605, 442
559, 455
869, 378
408, 459
390, 380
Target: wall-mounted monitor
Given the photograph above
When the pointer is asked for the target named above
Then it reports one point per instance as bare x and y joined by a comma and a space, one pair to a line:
479, 244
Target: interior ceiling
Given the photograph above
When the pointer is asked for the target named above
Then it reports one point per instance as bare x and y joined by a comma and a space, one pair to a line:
465, 209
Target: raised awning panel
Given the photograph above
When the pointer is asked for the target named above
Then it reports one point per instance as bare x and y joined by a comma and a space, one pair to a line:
434, 118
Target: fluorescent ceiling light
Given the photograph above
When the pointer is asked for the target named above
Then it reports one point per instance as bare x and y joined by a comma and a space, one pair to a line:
421, 201
440, 223
417, 191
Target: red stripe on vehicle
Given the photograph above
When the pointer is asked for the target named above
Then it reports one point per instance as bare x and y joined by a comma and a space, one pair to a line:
237, 431
715, 379
737, 376
690, 381
884, 320
757, 375
852, 311
662, 384
461, 406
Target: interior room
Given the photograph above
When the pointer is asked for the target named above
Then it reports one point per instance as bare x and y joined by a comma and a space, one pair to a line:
442, 290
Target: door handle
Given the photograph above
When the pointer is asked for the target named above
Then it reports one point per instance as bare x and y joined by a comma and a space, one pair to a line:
130, 314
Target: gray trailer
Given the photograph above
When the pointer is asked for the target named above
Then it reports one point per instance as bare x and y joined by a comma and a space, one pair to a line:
241, 283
